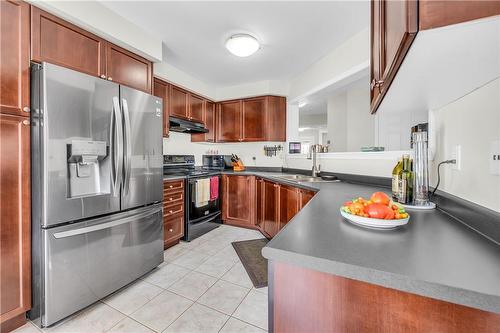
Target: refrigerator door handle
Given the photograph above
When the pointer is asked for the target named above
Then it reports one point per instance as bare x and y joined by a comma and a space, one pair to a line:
116, 138
97, 227
127, 148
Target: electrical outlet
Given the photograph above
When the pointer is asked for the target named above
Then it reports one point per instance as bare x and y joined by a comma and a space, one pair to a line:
495, 158
456, 154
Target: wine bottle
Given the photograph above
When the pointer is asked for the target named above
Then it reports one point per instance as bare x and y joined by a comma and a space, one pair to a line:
406, 182
395, 179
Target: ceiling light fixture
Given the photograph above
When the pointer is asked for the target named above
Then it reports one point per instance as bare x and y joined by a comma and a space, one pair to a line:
302, 104
242, 45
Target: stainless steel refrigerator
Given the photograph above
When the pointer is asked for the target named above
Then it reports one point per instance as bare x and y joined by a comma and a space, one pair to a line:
97, 169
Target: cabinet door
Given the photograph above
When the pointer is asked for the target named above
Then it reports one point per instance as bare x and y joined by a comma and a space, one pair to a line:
128, 69
259, 203
271, 208
173, 229
161, 89
305, 196
253, 119
289, 204
14, 57
64, 44
209, 120
394, 26
15, 220
238, 201
229, 121
276, 118
196, 108
179, 102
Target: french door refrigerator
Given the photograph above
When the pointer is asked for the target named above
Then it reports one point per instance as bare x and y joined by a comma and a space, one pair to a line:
97, 169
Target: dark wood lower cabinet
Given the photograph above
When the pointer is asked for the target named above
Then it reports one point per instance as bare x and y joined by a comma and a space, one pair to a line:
270, 208
305, 196
15, 221
238, 200
289, 204
173, 212
322, 302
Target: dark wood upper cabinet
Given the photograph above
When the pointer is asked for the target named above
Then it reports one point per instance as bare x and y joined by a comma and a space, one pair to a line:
394, 26
289, 204
229, 121
127, 68
196, 108
253, 118
276, 118
209, 119
238, 200
179, 102
270, 215
14, 58
161, 89
62, 43
15, 208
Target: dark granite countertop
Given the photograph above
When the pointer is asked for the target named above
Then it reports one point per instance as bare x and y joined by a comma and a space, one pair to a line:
434, 255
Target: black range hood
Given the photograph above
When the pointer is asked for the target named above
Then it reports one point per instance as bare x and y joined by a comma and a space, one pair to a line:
186, 126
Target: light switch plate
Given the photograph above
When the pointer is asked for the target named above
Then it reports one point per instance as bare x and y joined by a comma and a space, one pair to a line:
495, 158
456, 154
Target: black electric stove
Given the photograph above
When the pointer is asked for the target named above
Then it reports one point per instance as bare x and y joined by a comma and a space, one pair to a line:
199, 218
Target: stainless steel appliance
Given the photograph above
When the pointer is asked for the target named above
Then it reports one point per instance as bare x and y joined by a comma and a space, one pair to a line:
198, 219
186, 126
217, 162
96, 189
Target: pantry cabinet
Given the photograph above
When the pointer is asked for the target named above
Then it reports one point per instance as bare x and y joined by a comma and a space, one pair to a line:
238, 201
14, 58
15, 220
62, 43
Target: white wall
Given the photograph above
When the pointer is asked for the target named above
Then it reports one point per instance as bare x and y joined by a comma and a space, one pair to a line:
472, 122
337, 122
347, 59
180, 144
267, 87
102, 21
360, 123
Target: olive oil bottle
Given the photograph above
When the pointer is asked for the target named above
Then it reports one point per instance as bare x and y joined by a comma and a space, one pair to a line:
405, 187
395, 179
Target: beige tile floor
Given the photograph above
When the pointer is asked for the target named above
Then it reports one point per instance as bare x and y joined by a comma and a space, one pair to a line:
201, 287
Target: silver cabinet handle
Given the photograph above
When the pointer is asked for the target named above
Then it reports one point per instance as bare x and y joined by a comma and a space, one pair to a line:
170, 199
171, 230
26, 109
103, 76
128, 147
110, 78
171, 186
170, 211
26, 122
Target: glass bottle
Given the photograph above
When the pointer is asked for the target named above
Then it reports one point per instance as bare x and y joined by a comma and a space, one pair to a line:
406, 182
395, 179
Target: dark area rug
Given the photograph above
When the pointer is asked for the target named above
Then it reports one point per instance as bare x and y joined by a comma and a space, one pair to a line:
250, 253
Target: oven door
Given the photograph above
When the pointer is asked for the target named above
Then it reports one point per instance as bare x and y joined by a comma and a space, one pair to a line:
199, 214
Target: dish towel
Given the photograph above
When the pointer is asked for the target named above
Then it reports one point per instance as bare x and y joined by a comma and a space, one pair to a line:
214, 188
202, 192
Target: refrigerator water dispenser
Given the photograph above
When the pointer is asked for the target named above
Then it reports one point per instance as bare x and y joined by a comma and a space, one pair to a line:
84, 164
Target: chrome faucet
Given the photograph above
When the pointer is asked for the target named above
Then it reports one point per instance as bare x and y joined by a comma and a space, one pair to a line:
312, 154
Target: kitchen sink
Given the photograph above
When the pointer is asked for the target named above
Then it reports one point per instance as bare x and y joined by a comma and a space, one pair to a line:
303, 179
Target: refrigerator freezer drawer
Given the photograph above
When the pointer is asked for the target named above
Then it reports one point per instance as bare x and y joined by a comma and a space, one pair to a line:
87, 261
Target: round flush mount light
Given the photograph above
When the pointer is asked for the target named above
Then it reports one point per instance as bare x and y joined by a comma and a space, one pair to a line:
242, 45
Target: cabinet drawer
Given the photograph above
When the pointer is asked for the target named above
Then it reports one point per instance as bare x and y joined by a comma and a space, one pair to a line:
173, 186
173, 229
173, 210
170, 198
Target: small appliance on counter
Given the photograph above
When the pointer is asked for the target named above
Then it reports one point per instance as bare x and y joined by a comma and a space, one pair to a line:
217, 162
202, 194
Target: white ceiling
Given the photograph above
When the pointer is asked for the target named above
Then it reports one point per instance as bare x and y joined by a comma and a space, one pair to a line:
293, 35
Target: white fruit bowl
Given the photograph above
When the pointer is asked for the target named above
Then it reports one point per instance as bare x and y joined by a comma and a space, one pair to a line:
369, 222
